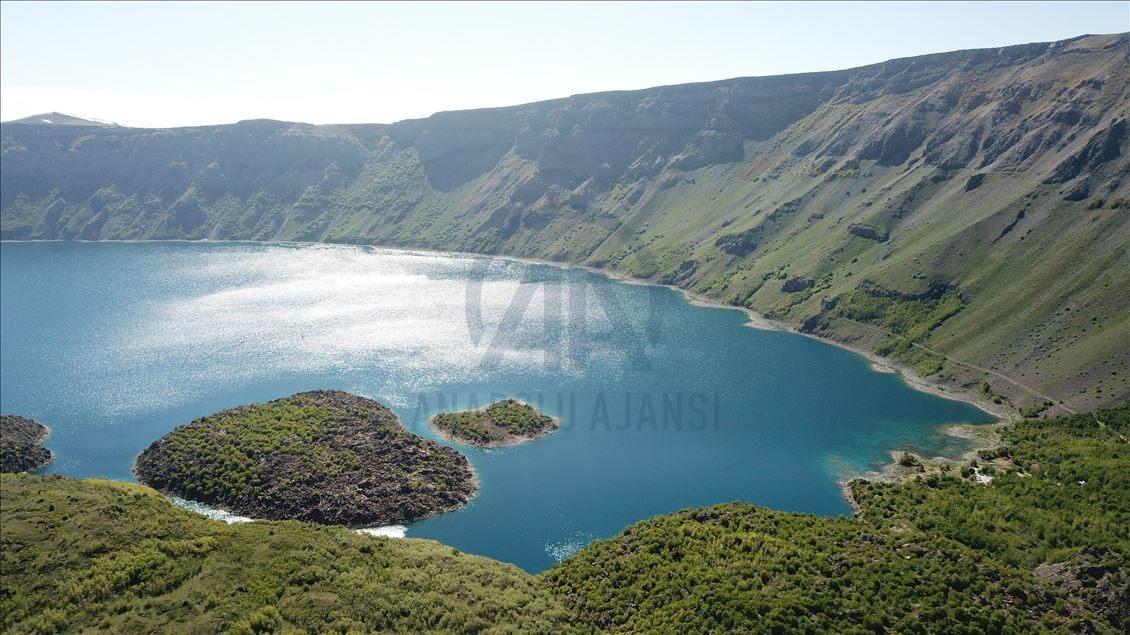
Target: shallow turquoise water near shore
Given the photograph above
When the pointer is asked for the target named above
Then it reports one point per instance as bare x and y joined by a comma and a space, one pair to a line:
664, 405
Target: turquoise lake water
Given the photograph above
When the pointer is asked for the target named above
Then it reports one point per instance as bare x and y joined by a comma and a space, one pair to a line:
664, 405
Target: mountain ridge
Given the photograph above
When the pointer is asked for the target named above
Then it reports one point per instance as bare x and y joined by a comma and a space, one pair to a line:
934, 203
31, 118
59, 119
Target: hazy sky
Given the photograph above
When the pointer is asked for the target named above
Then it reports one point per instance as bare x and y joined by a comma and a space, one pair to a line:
166, 64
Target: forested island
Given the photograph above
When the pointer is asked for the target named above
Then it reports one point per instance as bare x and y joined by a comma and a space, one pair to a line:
1042, 547
21, 448
502, 423
322, 456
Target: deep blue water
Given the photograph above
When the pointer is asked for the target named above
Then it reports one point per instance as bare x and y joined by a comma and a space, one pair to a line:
664, 404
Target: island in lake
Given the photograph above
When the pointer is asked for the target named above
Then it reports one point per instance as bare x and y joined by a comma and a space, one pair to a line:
506, 422
324, 456
21, 445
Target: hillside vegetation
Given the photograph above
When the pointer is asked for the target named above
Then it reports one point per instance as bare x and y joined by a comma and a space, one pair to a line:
1041, 548
91, 555
1044, 546
1000, 175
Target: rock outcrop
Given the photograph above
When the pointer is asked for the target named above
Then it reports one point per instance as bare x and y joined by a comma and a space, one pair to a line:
21, 448
324, 456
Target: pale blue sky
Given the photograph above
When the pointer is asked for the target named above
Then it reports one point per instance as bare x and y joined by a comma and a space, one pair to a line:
168, 64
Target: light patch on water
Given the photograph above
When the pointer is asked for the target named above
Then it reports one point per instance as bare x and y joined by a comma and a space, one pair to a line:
210, 512
570, 545
388, 531
395, 324
248, 315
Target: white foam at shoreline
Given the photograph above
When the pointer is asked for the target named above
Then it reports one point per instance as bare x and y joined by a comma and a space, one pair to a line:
388, 531
210, 512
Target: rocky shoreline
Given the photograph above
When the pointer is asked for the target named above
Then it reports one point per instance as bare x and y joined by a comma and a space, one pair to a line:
907, 466
21, 445
328, 457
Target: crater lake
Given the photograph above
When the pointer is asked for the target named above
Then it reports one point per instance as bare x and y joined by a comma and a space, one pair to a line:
663, 404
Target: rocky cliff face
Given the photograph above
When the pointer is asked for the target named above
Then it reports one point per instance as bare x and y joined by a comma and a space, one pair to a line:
903, 173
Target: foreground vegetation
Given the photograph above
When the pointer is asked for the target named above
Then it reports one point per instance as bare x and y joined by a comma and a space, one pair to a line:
739, 568
106, 556
1040, 548
322, 456
501, 423
1060, 496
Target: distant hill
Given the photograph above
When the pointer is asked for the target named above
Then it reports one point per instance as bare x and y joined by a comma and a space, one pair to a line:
966, 214
59, 119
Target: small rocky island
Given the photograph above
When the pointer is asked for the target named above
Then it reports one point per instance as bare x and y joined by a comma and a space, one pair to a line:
506, 422
21, 448
324, 456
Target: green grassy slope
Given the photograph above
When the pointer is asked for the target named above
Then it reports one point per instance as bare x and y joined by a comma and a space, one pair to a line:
86, 555
1000, 174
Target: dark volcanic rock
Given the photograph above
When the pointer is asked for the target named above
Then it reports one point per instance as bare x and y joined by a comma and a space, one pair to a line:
20, 449
1079, 191
1104, 146
740, 244
792, 285
322, 456
868, 232
681, 273
1097, 576
813, 323
893, 147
